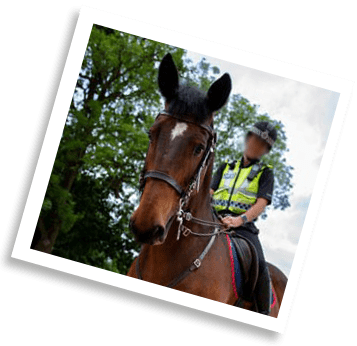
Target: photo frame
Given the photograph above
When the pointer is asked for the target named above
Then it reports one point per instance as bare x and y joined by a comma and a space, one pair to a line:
87, 18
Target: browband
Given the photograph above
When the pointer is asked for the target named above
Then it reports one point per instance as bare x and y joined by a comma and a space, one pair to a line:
205, 127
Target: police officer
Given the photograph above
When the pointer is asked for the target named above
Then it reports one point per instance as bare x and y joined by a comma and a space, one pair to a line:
241, 190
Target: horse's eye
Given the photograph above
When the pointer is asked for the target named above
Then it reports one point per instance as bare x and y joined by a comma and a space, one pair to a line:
198, 150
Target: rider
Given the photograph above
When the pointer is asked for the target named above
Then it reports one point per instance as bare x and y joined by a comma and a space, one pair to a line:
241, 190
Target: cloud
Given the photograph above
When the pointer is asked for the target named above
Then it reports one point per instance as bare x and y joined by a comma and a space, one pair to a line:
281, 259
280, 232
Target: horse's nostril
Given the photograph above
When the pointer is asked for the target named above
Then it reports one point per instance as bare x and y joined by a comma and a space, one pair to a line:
146, 235
159, 231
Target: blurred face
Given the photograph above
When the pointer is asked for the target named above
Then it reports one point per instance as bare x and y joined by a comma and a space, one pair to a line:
255, 147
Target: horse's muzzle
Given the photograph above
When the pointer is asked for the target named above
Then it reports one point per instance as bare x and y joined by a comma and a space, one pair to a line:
155, 235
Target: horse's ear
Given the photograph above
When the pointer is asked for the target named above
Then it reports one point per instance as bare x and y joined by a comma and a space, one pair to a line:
168, 78
218, 93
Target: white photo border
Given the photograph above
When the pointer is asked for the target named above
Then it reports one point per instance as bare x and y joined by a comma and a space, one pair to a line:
87, 18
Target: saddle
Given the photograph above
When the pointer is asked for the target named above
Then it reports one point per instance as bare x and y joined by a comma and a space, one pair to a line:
245, 252
246, 271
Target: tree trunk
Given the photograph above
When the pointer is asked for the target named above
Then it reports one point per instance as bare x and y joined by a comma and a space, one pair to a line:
44, 239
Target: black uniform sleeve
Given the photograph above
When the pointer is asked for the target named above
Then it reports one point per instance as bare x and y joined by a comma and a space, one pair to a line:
266, 185
217, 177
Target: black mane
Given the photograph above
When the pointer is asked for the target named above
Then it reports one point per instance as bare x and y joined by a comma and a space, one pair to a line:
190, 104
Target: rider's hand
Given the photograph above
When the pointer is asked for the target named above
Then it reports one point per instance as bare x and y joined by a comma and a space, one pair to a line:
232, 222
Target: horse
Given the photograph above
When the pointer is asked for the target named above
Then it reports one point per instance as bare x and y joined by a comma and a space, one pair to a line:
184, 245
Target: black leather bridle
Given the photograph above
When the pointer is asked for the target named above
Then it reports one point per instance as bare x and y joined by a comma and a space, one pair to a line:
184, 197
185, 193
195, 181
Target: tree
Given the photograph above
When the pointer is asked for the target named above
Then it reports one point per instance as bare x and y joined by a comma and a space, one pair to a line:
115, 99
100, 237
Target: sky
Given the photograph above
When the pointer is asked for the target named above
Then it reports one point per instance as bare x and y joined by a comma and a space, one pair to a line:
307, 112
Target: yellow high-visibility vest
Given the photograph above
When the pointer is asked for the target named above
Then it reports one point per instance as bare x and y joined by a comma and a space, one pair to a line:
238, 188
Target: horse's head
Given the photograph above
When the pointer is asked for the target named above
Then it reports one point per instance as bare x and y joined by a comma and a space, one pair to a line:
179, 139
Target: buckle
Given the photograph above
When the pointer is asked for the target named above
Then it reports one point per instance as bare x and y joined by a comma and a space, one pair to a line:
197, 263
186, 231
188, 216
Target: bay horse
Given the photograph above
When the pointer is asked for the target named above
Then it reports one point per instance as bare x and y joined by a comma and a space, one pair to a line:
184, 244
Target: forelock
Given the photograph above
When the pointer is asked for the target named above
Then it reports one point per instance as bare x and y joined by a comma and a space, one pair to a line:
190, 104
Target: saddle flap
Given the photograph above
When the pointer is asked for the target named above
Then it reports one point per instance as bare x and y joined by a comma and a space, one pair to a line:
248, 258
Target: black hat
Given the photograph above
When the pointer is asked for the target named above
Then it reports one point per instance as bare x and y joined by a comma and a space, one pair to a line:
266, 131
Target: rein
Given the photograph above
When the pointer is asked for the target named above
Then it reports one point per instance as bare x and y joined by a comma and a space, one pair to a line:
194, 265
186, 231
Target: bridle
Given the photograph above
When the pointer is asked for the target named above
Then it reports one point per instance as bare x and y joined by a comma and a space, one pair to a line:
185, 193
195, 181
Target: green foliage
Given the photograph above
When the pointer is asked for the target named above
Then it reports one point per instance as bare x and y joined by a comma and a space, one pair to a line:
60, 201
100, 238
90, 195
